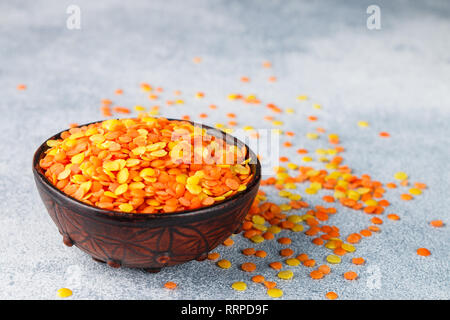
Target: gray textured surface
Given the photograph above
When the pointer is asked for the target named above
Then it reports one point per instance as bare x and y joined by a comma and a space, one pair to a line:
396, 78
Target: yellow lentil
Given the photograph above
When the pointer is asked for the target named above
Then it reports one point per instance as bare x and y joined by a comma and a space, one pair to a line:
64, 292
275, 292
239, 286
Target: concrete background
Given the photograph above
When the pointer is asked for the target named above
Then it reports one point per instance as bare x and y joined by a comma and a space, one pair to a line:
397, 78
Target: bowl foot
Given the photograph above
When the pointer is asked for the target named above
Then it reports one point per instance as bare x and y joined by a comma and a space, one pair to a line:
67, 241
152, 270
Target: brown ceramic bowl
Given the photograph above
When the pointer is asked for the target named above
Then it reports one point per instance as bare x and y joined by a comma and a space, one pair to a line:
149, 241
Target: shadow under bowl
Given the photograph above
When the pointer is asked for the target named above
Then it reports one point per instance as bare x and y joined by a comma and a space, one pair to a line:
149, 241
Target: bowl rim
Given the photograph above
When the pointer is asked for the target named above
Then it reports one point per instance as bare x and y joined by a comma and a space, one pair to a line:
185, 213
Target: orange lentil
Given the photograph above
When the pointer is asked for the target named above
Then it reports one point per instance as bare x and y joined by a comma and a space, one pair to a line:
121, 110
376, 220
106, 111
21, 87
350, 275
118, 91
286, 224
365, 233
268, 235
270, 284
170, 285
339, 251
317, 241
302, 151
420, 185
248, 267
274, 108
321, 130
358, 261
276, 265
309, 263
146, 87
391, 185
331, 295
284, 240
353, 238
324, 269
228, 242
370, 209
406, 196
302, 257
248, 251
251, 233
404, 183
384, 134
247, 225
272, 79
286, 252
393, 216
258, 278
437, 223
374, 228
260, 253
213, 256
423, 252
316, 274
339, 148
245, 79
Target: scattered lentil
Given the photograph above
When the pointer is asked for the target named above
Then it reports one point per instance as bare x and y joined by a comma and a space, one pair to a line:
275, 292
224, 264
64, 293
285, 274
423, 252
331, 295
248, 267
170, 285
239, 286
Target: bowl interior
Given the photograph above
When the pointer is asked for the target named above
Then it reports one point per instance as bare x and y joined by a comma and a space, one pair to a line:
229, 139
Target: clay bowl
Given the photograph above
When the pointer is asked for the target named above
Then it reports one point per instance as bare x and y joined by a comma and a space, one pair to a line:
146, 241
